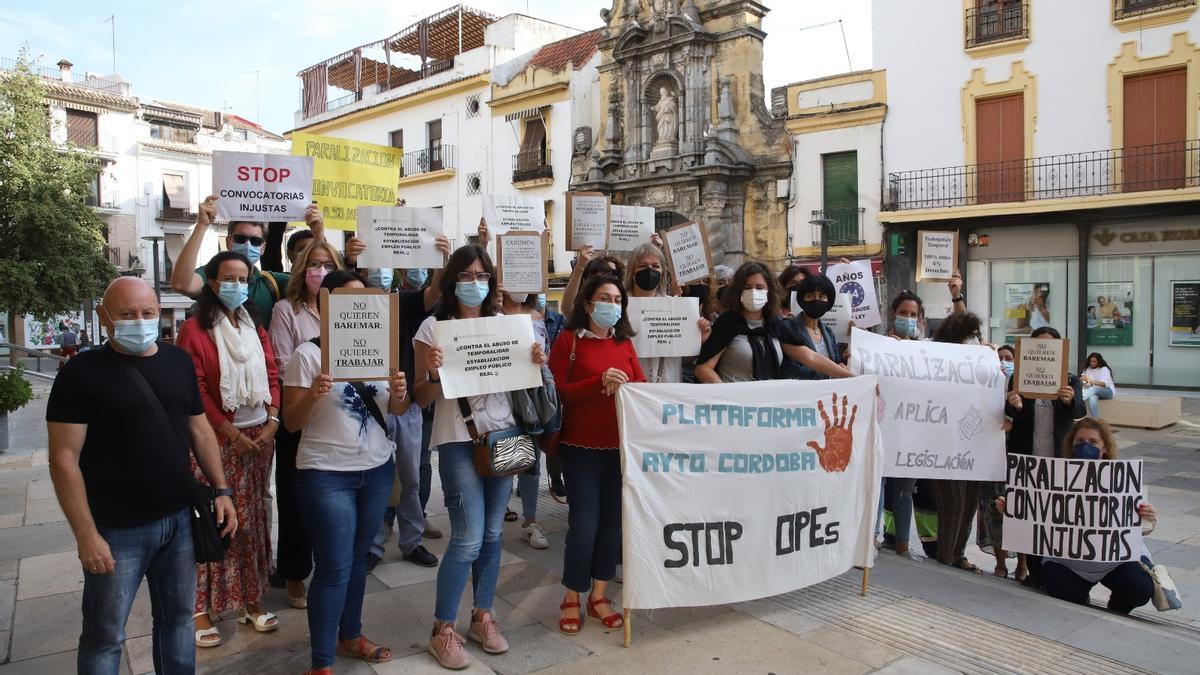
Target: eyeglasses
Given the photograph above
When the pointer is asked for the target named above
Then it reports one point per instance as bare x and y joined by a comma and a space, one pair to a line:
317, 264
243, 238
482, 277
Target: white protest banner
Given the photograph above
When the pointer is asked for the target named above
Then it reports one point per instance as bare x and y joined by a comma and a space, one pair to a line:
857, 280
360, 333
630, 227
400, 237
937, 255
838, 317
687, 250
732, 492
1079, 509
486, 356
1040, 367
587, 220
522, 262
261, 187
942, 406
503, 213
665, 326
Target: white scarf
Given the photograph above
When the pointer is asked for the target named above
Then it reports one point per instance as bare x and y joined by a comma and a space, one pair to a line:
243, 365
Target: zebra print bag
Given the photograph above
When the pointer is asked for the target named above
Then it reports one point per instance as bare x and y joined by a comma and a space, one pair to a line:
500, 453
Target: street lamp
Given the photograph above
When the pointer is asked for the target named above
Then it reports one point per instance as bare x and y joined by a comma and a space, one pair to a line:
154, 241
824, 224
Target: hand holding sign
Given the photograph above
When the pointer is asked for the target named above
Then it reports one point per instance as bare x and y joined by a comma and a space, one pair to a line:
839, 436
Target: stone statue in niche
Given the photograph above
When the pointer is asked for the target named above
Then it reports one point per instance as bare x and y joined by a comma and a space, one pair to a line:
666, 124
664, 8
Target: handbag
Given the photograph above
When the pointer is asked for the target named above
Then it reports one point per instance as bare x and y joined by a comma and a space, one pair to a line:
500, 453
207, 541
1166, 596
551, 440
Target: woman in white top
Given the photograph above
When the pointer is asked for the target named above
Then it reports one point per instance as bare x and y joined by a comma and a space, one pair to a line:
476, 504
344, 473
1039, 312
1097, 383
646, 278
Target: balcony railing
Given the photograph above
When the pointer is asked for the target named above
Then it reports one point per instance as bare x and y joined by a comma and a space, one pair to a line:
1163, 166
101, 202
846, 230
1124, 9
79, 80
997, 23
532, 165
428, 160
113, 255
176, 215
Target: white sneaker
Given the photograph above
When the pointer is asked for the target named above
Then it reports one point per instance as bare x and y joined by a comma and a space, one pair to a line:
535, 536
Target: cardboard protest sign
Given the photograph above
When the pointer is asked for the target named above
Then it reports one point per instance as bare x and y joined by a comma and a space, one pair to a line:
1041, 367
687, 251
838, 317
937, 255
631, 226
858, 281
732, 492
587, 220
349, 174
942, 406
360, 333
261, 187
665, 326
400, 237
1079, 509
504, 213
522, 262
486, 356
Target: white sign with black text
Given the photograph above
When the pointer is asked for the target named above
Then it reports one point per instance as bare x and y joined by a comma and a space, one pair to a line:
630, 227
486, 356
504, 213
665, 326
399, 237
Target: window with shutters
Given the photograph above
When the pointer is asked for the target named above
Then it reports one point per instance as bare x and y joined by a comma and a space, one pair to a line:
396, 139
839, 173
176, 201
434, 146
533, 160
82, 128
1155, 131
992, 21
1127, 9
1000, 149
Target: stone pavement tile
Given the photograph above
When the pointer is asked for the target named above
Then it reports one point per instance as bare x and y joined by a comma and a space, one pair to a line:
531, 648
8, 592
1146, 648
292, 657
425, 664
41, 489
854, 646
51, 624
402, 573
39, 511
4, 646
1182, 556
913, 665
12, 499
62, 662
674, 618
779, 616
550, 559
31, 540
8, 569
12, 520
236, 639
524, 576
1154, 544
50, 575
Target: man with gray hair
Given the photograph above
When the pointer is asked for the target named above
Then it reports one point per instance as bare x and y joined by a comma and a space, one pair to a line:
122, 472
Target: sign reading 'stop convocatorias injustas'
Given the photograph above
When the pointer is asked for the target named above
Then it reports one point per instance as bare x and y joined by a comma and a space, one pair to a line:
261, 187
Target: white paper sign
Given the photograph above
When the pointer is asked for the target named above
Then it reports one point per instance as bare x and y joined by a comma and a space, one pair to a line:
1079, 509
261, 187
587, 220
942, 406
687, 248
513, 212
521, 261
938, 255
856, 280
732, 492
838, 318
486, 356
630, 227
665, 326
400, 237
359, 340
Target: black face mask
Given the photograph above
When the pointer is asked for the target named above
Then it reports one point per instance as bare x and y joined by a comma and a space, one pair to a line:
647, 279
815, 308
699, 291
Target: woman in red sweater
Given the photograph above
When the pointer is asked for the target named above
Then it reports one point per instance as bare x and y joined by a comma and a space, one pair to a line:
239, 384
590, 361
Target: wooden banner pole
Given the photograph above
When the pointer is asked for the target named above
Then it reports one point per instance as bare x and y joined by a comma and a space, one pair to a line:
866, 576
625, 615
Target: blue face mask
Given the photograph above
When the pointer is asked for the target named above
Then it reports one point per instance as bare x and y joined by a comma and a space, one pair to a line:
906, 326
380, 277
541, 302
606, 314
1085, 450
252, 253
233, 294
1007, 367
416, 277
135, 335
471, 293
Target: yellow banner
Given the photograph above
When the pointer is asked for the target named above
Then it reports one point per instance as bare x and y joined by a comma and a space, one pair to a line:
349, 174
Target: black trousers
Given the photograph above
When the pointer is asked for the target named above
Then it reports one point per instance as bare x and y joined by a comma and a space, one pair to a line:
1130, 585
295, 556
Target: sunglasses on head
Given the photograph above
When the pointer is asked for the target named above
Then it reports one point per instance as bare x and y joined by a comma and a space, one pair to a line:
243, 238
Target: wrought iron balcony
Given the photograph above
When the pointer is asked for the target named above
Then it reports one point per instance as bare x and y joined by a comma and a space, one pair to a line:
176, 215
846, 230
1001, 22
1124, 9
1164, 166
532, 165
428, 160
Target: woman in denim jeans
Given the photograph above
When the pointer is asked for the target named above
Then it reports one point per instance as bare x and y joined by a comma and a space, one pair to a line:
476, 504
344, 477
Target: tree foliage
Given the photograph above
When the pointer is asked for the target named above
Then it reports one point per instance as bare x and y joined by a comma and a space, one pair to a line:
51, 242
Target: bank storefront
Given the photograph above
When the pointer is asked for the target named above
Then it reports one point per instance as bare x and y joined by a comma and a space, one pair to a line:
1137, 301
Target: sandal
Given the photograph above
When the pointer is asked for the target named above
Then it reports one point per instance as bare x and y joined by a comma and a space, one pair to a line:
1021, 574
510, 516
327, 670
361, 650
569, 626
263, 623
612, 621
1001, 571
964, 564
202, 633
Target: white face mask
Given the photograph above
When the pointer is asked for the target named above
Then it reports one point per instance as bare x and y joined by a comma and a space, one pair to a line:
754, 299
518, 298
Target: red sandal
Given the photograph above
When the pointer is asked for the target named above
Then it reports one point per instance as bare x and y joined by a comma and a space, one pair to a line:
612, 621
569, 626
327, 670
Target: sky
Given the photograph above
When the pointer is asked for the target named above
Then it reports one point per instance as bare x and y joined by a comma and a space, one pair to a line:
243, 56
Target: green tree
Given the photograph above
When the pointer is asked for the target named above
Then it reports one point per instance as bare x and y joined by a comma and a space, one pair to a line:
51, 242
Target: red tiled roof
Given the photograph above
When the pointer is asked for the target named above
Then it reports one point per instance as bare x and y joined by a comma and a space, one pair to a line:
575, 50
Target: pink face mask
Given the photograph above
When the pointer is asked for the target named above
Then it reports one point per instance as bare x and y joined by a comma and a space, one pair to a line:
313, 279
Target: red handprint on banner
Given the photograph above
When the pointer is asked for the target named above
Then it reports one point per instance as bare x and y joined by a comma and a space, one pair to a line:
839, 436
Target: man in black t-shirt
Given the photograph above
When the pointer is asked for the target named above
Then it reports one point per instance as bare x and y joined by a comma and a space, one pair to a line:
124, 479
